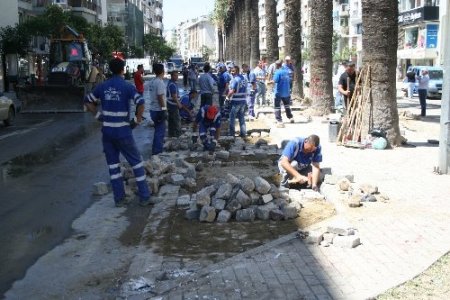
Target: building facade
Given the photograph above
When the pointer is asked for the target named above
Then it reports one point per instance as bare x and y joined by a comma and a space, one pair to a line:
418, 23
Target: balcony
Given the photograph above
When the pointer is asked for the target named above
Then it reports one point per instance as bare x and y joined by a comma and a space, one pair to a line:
84, 4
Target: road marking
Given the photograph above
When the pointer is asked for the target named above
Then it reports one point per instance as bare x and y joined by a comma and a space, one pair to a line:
24, 131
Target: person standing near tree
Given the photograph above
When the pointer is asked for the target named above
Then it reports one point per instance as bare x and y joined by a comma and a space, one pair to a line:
250, 77
423, 80
158, 107
411, 79
260, 74
347, 83
282, 94
237, 95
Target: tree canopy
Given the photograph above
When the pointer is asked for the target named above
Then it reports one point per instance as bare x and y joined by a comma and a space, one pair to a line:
157, 47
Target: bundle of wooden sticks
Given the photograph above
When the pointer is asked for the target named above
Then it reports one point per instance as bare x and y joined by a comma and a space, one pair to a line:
351, 125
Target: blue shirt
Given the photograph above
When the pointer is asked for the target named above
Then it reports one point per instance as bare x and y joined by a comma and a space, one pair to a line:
186, 101
224, 78
294, 151
282, 83
114, 95
201, 118
239, 85
207, 84
290, 69
172, 88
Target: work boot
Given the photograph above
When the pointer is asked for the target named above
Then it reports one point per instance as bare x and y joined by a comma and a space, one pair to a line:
145, 202
123, 202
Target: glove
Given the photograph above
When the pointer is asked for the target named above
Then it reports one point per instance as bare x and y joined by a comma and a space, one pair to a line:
194, 139
134, 123
99, 116
252, 93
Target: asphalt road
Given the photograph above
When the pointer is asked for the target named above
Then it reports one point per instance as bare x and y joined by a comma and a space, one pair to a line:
47, 166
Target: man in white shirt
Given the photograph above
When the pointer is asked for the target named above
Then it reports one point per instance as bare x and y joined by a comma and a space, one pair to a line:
158, 107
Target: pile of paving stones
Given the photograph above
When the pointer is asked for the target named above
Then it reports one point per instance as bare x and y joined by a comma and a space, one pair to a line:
344, 188
339, 234
240, 198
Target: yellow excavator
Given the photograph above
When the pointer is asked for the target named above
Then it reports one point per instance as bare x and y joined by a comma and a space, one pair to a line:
70, 76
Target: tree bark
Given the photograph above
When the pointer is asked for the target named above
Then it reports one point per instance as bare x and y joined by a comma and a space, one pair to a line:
293, 42
380, 53
254, 34
271, 30
220, 40
321, 62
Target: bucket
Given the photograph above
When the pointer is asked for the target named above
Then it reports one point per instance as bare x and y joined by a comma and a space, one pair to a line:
333, 131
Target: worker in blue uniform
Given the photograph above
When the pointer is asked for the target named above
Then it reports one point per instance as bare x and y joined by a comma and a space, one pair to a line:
207, 120
113, 96
237, 94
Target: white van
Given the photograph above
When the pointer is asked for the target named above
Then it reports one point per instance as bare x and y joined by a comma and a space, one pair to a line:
132, 63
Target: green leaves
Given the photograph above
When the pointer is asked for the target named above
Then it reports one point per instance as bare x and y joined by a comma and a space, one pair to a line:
157, 47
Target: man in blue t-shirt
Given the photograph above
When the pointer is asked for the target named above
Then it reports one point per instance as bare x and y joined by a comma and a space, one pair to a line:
187, 103
282, 93
224, 79
173, 106
300, 162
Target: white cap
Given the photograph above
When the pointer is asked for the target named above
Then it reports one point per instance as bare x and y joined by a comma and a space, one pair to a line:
287, 58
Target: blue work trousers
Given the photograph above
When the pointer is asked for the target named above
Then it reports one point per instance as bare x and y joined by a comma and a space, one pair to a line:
238, 110
113, 147
159, 119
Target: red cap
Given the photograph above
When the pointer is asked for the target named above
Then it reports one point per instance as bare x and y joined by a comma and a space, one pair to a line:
212, 112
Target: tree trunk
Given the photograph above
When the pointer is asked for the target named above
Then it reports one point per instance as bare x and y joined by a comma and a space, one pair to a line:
380, 53
271, 30
321, 85
220, 46
293, 42
254, 34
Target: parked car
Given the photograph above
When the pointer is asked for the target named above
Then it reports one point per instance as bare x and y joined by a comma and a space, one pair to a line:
436, 75
170, 67
7, 110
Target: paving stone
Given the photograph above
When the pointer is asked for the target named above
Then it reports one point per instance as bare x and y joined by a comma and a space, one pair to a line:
177, 179
344, 184
222, 155
218, 204
261, 185
168, 189
231, 179
243, 199
224, 191
247, 185
100, 188
264, 134
261, 155
153, 184
245, 215
255, 197
354, 201
367, 188
233, 205
276, 215
328, 237
204, 196
314, 237
184, 200
331, 179
341, 228
189, 183
263, 211
290, 212
296, 205
192, 214
255, 134
224, 216
350, 241
267, 198
207, 214
368, 198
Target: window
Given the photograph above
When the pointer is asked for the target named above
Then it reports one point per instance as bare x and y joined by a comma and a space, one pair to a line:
411, 36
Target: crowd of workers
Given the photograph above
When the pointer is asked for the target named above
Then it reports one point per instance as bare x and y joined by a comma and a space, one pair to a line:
237, 92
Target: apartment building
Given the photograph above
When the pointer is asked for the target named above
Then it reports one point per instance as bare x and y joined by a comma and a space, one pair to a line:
418, 34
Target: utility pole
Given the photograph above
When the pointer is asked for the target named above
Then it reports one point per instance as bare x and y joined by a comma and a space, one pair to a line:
444, 139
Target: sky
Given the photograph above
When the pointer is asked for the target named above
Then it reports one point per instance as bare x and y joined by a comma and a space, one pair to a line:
177, 11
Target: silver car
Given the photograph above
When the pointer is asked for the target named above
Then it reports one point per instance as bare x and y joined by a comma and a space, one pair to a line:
7, 110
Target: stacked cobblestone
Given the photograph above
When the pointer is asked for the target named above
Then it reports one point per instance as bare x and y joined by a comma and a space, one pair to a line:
339, 234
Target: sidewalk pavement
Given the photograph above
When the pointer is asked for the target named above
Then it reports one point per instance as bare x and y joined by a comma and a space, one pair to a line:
400, 239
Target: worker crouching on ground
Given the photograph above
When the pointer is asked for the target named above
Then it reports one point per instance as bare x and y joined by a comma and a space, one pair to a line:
187, 114
207, 120
300, 163
114, 96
